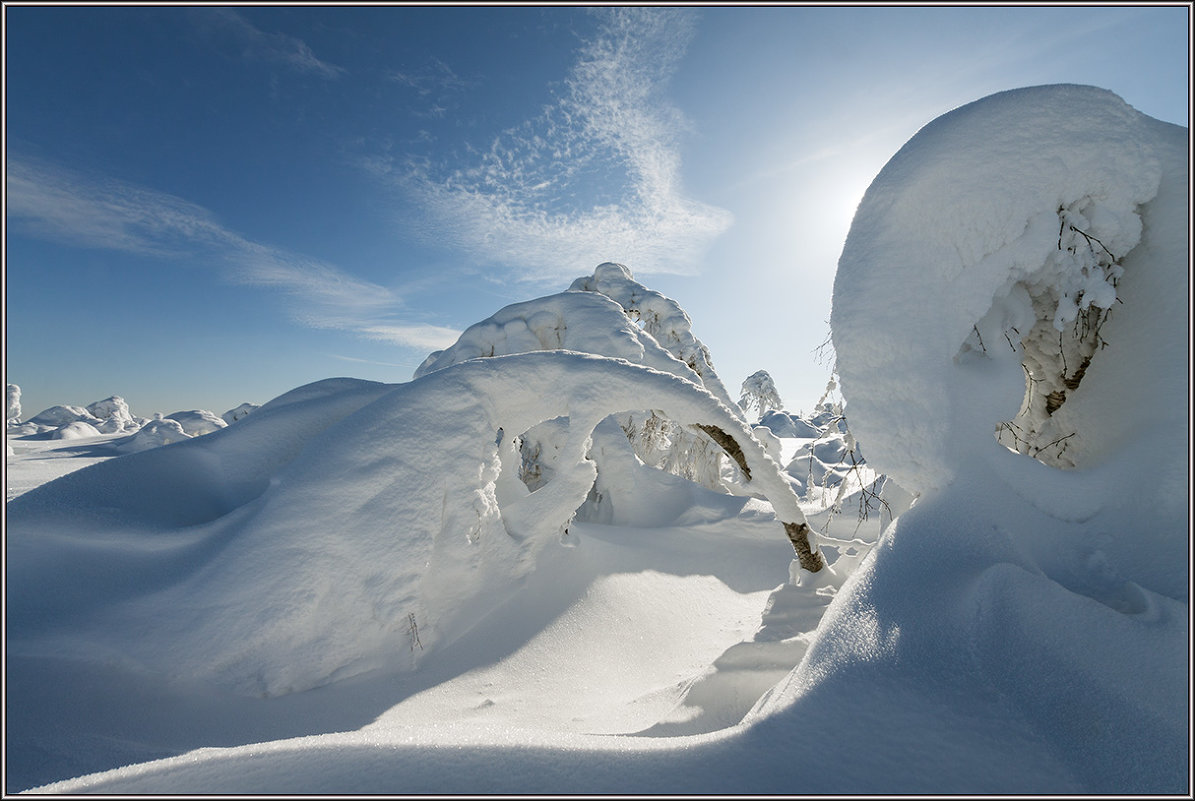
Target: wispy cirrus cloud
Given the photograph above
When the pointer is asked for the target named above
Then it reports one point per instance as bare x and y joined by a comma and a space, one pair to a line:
62, 205
428, 337
595, 177
256, 44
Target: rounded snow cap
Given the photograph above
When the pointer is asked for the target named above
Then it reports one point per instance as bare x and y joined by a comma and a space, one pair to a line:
609, 271
978, 274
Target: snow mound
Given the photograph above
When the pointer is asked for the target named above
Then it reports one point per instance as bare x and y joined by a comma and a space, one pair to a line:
232, 415
76, 430
660, 316
197, 422
114, 415
153, 434
608, 314
1014, 590
983, 252
783, 424
289, 559
57, 416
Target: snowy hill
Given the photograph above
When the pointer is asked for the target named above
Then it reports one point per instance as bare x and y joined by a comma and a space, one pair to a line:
562, 560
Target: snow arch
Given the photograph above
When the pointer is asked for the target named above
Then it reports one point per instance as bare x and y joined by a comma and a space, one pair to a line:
607, 314
388, 534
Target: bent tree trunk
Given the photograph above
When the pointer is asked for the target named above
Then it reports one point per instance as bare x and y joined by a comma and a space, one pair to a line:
798, 532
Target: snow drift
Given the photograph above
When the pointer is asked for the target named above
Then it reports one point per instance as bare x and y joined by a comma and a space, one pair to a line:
248, 552
977, 270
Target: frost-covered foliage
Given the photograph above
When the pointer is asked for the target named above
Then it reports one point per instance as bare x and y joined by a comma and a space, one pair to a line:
13, 394
232, 415
759, 393
607, 314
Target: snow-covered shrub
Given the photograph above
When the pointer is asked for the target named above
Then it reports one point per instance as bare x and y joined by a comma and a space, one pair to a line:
759, 393
14, 404
658, 315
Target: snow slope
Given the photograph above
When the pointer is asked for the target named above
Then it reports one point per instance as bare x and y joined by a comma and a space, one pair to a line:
351, 590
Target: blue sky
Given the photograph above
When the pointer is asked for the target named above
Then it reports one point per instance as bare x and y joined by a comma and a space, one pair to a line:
207, 206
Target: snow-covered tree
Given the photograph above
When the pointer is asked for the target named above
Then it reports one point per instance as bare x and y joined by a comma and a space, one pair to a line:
114, 415
14, 404
759, 393
608, 314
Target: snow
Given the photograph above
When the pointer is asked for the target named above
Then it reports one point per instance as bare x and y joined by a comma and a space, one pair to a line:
75, 430
56, 416
197, 421
759, 392
474, 582
114, 415
13, 395
236, 413
153, 434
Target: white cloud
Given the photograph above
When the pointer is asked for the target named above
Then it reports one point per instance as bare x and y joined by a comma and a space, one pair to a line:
61, 205
256, 44
609, 139
426, 337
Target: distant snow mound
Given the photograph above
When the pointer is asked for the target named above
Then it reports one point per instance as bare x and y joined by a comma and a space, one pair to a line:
76, 430
153, 434
197, 422
783, 424
57, 416
232, 415
114, 415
